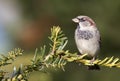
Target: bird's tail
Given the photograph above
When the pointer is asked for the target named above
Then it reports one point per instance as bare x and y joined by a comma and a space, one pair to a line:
94, 67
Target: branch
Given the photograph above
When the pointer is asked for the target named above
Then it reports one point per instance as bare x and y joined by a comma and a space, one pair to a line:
57, 57
5, 60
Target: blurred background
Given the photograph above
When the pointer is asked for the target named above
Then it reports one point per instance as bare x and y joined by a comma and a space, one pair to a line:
26, 24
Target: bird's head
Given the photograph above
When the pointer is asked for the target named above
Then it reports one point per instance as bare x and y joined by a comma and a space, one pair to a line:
84, 21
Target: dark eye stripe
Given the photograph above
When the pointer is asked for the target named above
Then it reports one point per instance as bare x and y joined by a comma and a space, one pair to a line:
81, 20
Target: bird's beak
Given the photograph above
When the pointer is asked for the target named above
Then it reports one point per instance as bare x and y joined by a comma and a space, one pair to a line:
75, 20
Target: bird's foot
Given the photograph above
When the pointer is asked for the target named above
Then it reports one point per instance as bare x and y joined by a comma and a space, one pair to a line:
92, 60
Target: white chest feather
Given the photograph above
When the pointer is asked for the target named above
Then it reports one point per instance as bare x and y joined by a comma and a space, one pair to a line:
87, 42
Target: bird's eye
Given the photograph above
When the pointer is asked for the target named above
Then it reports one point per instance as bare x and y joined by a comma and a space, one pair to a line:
82, 19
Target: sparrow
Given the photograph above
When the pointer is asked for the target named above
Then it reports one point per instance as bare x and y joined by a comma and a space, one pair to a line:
87, 38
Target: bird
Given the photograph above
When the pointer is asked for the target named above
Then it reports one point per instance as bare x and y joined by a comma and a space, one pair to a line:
87, 38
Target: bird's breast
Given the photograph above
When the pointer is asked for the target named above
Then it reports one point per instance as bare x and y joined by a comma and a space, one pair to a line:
86, 34
86, 42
